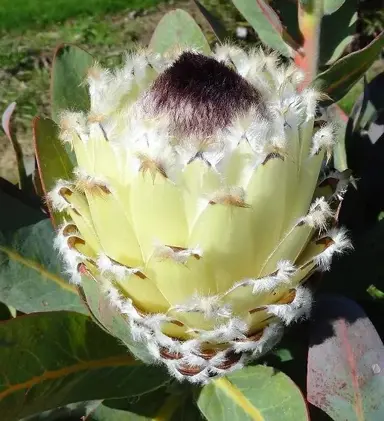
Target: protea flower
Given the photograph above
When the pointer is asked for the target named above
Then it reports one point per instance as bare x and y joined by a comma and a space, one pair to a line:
199, 207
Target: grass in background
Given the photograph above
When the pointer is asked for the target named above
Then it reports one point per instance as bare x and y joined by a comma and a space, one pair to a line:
23, 14
25, 60
26, 55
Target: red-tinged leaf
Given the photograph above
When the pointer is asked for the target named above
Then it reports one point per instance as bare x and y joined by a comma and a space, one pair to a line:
6, 119
265, 22
345, 362
275, 23
271, 16
6, 124
217, 27
53, 161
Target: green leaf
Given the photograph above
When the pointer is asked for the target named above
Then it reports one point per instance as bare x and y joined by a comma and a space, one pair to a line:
375, 292
52, 158
30, 272
265, 22
343, 23
53, 359
257, 393
341, 76
331, 6
146, 407
71, 412
69, 71
369, 106
217, 27
290, 355
103, 413
161, 404
178, 28
109, 318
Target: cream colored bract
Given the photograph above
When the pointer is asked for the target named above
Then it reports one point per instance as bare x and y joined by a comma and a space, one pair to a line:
202, 242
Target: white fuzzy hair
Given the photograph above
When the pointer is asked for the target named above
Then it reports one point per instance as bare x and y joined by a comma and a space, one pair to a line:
181, 256
73, 124
319, 214
270, 337
299, 308
58, 202
113, 270
324, 138
210, 306
340, 244
71, 257
282, 276
83, 178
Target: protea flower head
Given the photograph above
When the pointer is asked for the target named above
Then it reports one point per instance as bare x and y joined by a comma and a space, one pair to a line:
199, 207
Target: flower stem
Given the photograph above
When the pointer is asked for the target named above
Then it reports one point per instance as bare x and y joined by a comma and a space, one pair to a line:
310, 13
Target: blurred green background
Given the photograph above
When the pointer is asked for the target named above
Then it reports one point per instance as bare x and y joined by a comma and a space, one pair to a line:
22, 14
